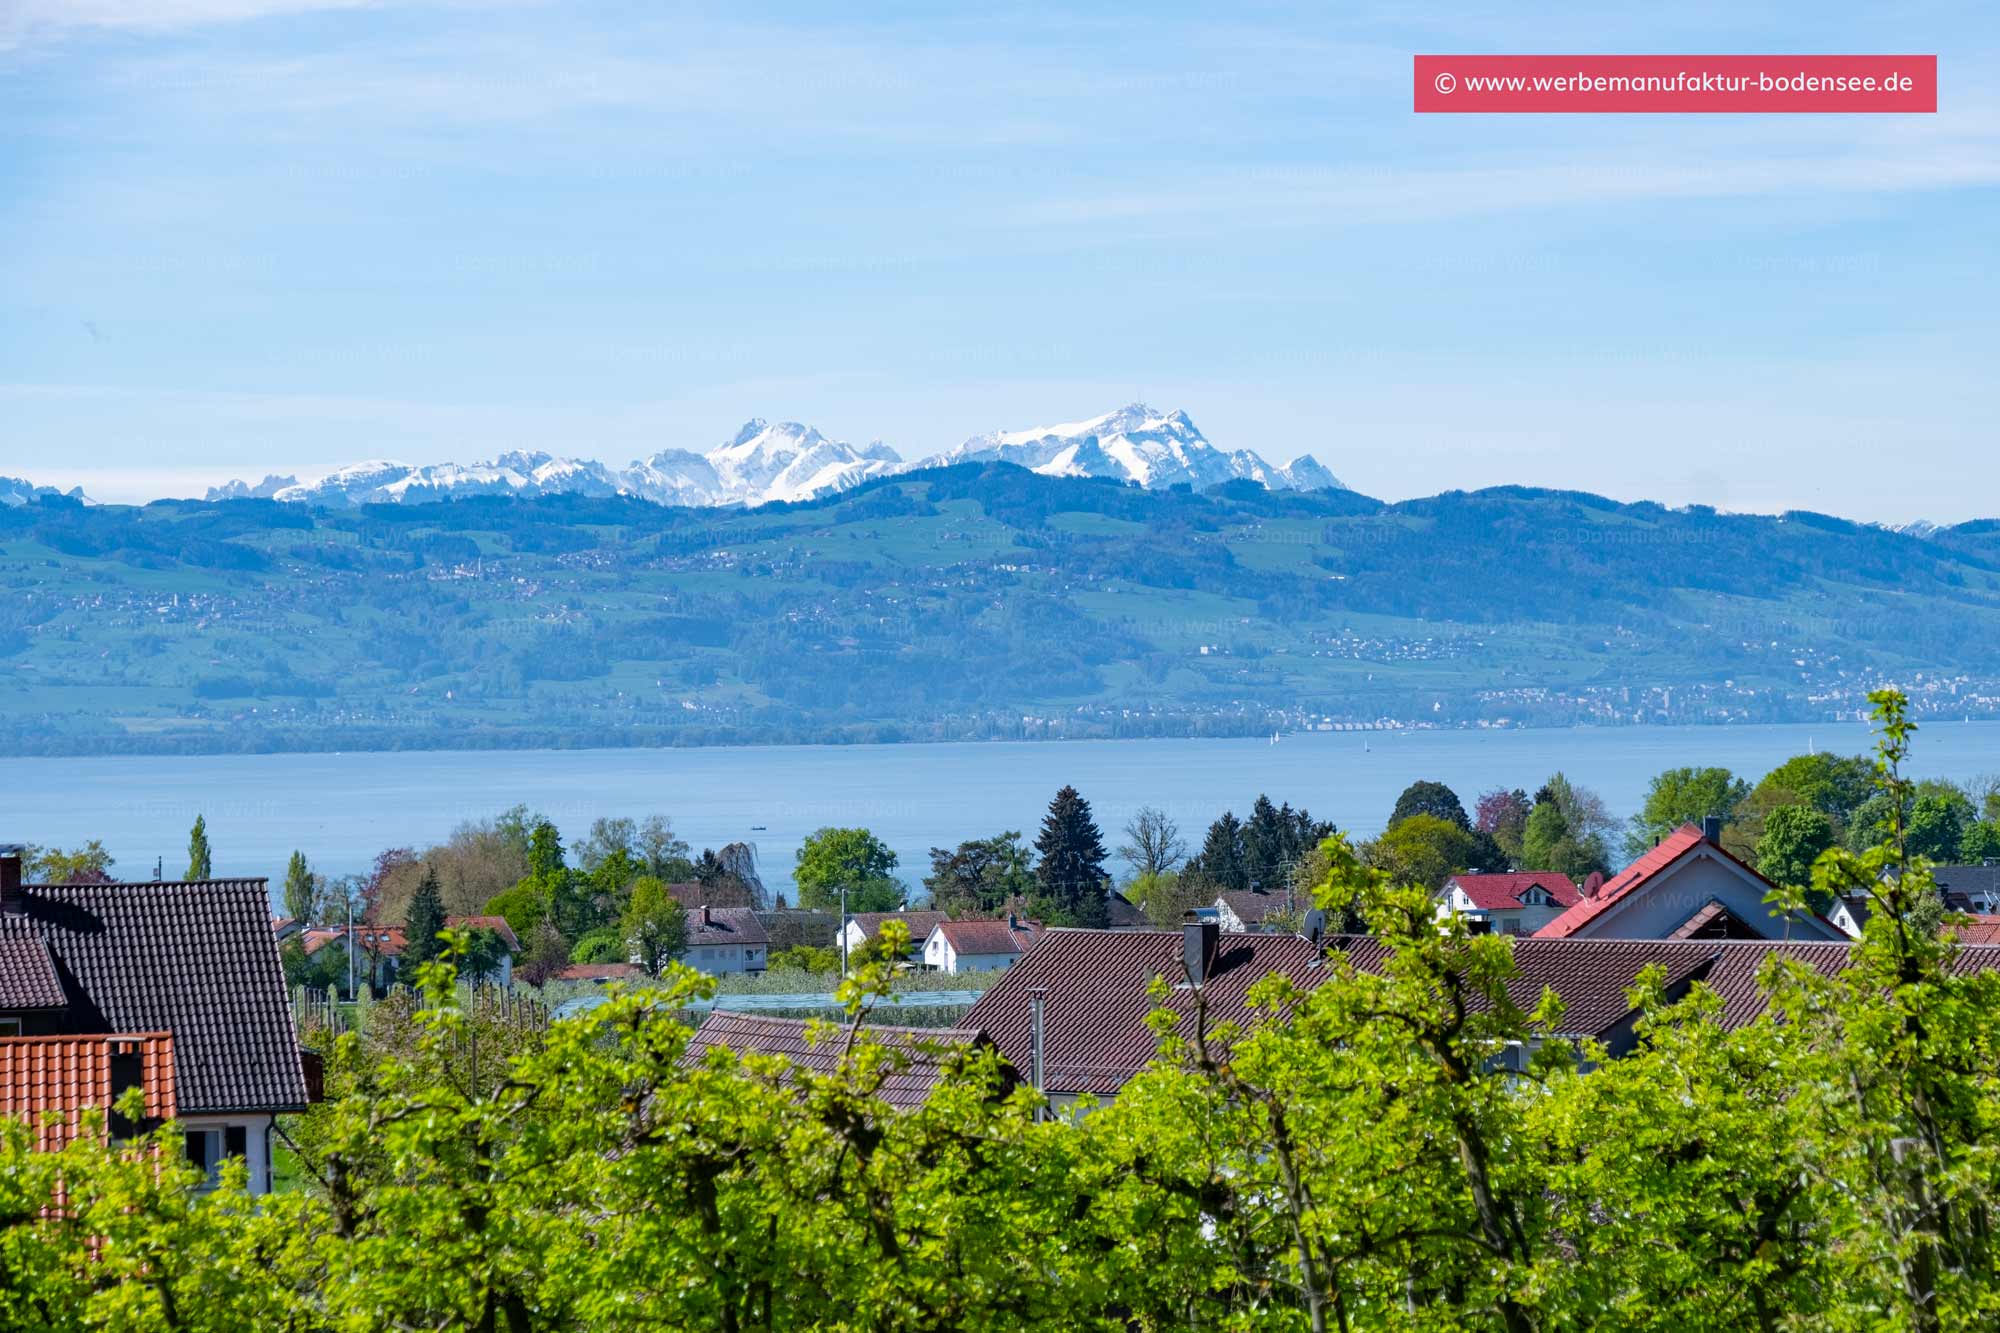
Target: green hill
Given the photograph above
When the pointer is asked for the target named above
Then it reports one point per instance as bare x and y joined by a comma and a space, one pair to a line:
961, 602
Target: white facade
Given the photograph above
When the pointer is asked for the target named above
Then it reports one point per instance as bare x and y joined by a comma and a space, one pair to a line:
939, 956
718, 959
208, 1140
1656, 908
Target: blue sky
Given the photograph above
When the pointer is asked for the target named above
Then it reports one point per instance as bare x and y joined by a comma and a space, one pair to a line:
250, 235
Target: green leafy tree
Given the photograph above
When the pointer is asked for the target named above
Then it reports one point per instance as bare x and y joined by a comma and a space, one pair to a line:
51, 865
1430, 798
1683, 796
1503, 816
655, 924
1981, 842
1937, 826
1794, 837
1423, 850
1166, 897
853, 859
1550, 843
1832, 784
1070, 872
980, 877
606, 944
199, 866
301, 889
423, 922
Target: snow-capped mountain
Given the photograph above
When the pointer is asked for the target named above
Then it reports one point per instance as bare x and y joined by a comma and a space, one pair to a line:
764, 462
1140, 445
20, 491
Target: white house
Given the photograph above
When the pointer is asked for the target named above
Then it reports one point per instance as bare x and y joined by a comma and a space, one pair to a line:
1515, 904
862, 927
725, 939
1687, 888
979, 946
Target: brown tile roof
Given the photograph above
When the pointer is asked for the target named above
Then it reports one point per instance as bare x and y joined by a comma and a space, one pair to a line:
930, 1050
601, 972
1122, 914
1252, 907
920, 923
39, 1074
497, 924
193, 959
724, 925
1498, 893
27, 974
1094, 1023
990, 937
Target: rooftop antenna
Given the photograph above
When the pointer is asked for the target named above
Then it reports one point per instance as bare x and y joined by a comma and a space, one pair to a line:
159, 866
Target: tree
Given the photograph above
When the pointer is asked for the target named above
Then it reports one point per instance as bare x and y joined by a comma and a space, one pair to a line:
665, 855
1222, 863
1832, 784
980, 877
1422, 850
853, 859
546, 953
50, 865
655, 924
1429, 798
1683, 796
1549, 843
1981, 842
1166, 897
606, 944
423, 922
1937, 826
608, 837
198, 855
301, 889
1794, 837
1503, 816
1070, 873
1153, 842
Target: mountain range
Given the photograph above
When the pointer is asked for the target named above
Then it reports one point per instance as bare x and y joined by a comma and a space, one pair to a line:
787, 461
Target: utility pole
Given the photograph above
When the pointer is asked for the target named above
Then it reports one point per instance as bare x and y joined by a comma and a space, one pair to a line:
843, 930
350, 946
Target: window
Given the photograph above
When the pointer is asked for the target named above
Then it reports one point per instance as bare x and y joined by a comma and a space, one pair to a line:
206, 1149
10, 1026
1510, 925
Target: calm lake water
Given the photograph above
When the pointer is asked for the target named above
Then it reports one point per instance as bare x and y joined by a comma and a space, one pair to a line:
343, 808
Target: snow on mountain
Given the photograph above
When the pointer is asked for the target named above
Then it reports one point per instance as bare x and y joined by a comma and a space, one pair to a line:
765, 462
1136, 444
16, 491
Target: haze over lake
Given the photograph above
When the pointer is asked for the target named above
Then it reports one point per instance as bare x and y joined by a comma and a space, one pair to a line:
342, 809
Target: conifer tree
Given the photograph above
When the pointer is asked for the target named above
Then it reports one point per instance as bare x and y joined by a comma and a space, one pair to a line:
1071, 870
423, 921
299, 887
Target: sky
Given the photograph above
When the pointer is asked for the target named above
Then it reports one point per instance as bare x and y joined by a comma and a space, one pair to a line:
251, 236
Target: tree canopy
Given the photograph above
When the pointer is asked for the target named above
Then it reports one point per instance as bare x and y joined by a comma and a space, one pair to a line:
853, 859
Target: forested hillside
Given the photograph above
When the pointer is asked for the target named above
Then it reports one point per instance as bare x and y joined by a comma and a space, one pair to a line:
973, 601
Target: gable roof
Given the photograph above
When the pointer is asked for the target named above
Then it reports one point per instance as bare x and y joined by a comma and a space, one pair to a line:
27, 974
1122, 914
1682, 842
920, 923
600, 972
988, 937
1251, 907
724, 925
930, 1050
497, 924
196, 960
1094, 1021
66, 1074
1980, 881
1498, 893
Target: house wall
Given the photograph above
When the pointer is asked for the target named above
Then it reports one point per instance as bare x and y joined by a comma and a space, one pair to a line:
1525, 919
981, 962
1657, 908
718, 959
258, 1143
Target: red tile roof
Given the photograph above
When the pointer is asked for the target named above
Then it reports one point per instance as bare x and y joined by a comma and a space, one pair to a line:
497, 924
990, 937
39, 1074
931, 1051
1687, 838
1499, 893
1980, 930
1094, 1022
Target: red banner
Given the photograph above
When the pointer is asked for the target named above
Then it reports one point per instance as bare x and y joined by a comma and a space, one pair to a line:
1584, 85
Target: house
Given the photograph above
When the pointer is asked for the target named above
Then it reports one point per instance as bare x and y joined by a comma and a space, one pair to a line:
1969, 888
979, 946
1516, 904
1121, 913
862, 927
930, 1053
1092, 985
1244, 911
378, 950
725, 939
118, 984
1686, 888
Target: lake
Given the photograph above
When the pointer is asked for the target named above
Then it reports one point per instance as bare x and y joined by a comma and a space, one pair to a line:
343, 808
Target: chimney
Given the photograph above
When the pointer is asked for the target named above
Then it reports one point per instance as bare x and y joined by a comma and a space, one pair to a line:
1711, 830
1012, 924
10, 878
1198, 941
704, 916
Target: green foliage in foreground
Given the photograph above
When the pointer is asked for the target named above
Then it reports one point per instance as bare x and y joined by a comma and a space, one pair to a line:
1369, 1162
